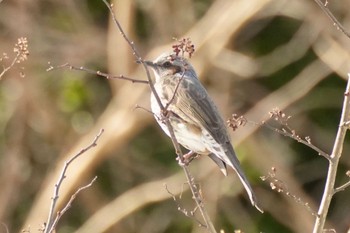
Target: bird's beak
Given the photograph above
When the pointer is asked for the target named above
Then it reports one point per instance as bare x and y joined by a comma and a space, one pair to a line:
150, 63
153, 65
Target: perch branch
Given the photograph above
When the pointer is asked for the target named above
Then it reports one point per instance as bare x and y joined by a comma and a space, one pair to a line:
194, 189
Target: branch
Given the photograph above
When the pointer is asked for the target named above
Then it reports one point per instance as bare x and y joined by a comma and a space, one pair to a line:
49, 224
99, 73
69, 204
190, 214
190, 179
306, 142
21, 51
280, 187
329, 190
336, 23
135, 53
342, 187
277, 115
5, 69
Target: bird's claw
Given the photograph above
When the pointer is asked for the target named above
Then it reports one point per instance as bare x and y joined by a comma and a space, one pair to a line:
186, 158
182, 162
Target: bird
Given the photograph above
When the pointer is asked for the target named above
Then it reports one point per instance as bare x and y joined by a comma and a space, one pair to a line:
193, 115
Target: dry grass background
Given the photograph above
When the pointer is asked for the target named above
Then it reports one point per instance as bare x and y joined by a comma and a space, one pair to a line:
252, 55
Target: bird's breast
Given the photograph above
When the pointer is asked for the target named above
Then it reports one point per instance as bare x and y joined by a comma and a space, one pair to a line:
188, 135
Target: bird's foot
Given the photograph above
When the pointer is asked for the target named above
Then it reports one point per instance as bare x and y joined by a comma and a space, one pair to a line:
187, 158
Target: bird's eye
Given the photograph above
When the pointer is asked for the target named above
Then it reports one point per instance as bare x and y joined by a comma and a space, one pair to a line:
167, 64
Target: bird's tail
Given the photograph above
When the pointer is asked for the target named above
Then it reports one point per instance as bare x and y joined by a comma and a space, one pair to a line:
234, 163
248, 188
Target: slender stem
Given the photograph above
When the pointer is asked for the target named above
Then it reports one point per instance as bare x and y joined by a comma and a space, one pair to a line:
336, 23
5, 69
342, 188
99, 73
298, 139
69, 204
329, 190
55, 197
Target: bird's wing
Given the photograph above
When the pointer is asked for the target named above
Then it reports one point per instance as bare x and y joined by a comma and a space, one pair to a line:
193, 104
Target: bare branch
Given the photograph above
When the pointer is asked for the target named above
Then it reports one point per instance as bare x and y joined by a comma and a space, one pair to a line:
336, 23
337, 149
280, 187
55, 197
143, 108
293, 135
190, 214
5, 69
69, 204
342, 187
333, 163
21, 51
99, 73
277, 115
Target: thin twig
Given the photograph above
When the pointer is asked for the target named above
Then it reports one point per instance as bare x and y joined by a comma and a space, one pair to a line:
187, 213
49, 222
5, 69
190, 179
69, 204
342, 187
280, 187
333, 163
336, 23
144, 109
99, 73
22, 52
135, 53
298, 139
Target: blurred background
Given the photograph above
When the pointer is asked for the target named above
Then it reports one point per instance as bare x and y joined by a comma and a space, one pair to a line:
251, 55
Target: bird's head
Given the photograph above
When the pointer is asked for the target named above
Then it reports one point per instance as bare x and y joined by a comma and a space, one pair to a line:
170, 64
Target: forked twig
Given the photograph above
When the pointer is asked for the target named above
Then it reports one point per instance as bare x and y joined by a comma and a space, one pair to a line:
190, 214
69, 204
49, 224
329, 190
22, 53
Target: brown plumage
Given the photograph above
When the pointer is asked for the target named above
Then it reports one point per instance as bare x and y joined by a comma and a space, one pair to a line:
193, 115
